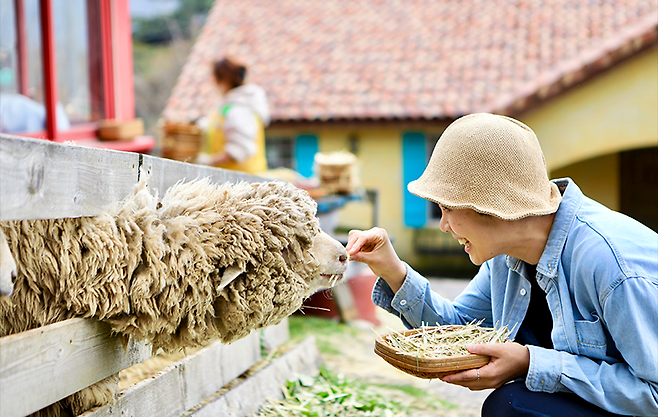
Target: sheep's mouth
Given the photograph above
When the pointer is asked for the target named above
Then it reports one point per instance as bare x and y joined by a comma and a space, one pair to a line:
332, 278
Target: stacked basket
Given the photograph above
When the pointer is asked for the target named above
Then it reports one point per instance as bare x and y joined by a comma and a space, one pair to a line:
180, 141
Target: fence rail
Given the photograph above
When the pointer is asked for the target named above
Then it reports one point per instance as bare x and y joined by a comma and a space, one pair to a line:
40, 180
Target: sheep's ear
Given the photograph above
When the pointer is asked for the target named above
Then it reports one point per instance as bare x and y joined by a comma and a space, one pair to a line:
230, 273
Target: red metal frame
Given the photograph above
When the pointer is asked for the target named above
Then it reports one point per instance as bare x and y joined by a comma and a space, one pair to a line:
125, 96
116, 65
49, 68
95, 55
108, 58
21, 46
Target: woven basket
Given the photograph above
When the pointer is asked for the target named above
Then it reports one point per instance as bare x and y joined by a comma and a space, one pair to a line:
427, 368
337, 172
180, 141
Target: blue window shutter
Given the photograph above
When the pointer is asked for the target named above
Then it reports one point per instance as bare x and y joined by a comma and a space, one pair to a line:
414, 159
306, 146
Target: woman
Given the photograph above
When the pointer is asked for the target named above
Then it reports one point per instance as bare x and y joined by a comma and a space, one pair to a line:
577, 282
235, 136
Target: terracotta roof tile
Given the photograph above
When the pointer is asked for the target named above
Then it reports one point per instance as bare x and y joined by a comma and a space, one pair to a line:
418, 59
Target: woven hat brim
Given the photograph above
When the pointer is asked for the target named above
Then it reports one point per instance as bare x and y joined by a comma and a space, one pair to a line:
551, 204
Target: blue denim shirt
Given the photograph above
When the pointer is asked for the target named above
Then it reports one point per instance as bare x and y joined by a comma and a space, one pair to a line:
599, 270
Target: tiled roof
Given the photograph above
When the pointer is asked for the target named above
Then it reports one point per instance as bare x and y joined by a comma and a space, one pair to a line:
410, 59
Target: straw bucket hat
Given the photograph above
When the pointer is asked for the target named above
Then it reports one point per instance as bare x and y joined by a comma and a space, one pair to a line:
492, 164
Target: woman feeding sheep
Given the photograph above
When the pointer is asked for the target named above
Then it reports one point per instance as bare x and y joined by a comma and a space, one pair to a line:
235, 136
576, 281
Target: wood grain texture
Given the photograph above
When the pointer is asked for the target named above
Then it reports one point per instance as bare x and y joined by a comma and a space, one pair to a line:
44, 365
185, 383
45, 180
246, 397
40, 179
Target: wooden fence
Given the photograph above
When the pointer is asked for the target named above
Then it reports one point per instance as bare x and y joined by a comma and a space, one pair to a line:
41, 179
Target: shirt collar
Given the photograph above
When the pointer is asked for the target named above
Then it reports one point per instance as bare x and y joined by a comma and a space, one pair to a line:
572, 199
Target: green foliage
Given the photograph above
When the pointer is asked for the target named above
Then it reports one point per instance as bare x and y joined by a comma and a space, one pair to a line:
153, 31
179, 25
330, 394
329, 333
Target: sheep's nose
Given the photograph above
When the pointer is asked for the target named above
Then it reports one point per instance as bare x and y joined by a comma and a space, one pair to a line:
342, 258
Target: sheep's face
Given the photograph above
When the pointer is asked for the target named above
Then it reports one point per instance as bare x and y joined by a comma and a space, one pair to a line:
7, 267
332, 261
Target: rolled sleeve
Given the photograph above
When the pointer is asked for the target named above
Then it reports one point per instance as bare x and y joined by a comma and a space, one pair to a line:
414, 302
405, 301
382, 295
544, 370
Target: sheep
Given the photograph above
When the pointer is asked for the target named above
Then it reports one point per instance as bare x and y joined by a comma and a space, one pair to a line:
206, 262
7, 268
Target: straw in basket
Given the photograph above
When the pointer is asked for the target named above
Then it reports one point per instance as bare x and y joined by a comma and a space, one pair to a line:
432, 352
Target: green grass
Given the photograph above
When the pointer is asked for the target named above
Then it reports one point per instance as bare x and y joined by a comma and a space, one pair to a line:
331, 394
330, 334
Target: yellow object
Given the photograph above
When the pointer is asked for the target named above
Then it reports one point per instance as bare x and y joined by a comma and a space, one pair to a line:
216, 141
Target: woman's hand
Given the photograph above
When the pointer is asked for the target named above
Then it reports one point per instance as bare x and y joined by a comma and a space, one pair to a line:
508, 361
373, 248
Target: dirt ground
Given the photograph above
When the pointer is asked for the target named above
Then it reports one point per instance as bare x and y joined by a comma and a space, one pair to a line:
358, 360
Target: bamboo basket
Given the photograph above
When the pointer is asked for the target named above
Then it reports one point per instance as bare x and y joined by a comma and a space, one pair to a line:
180, 141
337, 172
426, 368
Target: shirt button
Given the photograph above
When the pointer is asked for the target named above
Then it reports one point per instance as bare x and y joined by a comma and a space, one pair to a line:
523, 291
403, 302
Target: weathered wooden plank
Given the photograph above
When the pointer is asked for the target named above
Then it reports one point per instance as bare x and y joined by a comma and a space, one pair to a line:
275, 336
44, 365
246, 398
163, 173
185, 383
40, 179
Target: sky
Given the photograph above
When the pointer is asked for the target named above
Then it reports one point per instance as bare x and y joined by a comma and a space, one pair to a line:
150, 8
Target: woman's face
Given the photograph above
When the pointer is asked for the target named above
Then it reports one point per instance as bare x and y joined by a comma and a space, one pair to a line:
480, 234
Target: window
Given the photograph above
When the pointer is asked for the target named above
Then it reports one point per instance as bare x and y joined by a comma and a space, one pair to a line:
65, 65
79, 61
280, 152
51, 61
22, 106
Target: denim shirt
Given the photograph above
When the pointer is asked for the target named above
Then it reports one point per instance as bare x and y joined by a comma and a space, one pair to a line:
599, 270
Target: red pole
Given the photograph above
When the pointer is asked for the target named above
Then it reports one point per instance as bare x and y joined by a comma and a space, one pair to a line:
108, 58
49, 68
21, 49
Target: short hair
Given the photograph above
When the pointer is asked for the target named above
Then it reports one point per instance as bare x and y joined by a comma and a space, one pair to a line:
229, 70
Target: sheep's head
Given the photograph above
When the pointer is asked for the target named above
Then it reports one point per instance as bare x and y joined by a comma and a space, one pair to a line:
331, 257
7, 267
280, 219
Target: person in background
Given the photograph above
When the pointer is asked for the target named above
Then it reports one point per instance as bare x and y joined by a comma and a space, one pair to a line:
235, 136
575, 281
19, 113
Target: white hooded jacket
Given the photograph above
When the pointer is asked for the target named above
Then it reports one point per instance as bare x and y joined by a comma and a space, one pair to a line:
240, 125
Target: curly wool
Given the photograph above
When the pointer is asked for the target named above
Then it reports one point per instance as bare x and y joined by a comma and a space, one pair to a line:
153, 270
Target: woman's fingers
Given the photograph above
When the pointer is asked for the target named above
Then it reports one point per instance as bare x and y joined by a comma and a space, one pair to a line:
364, 240
508, 361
